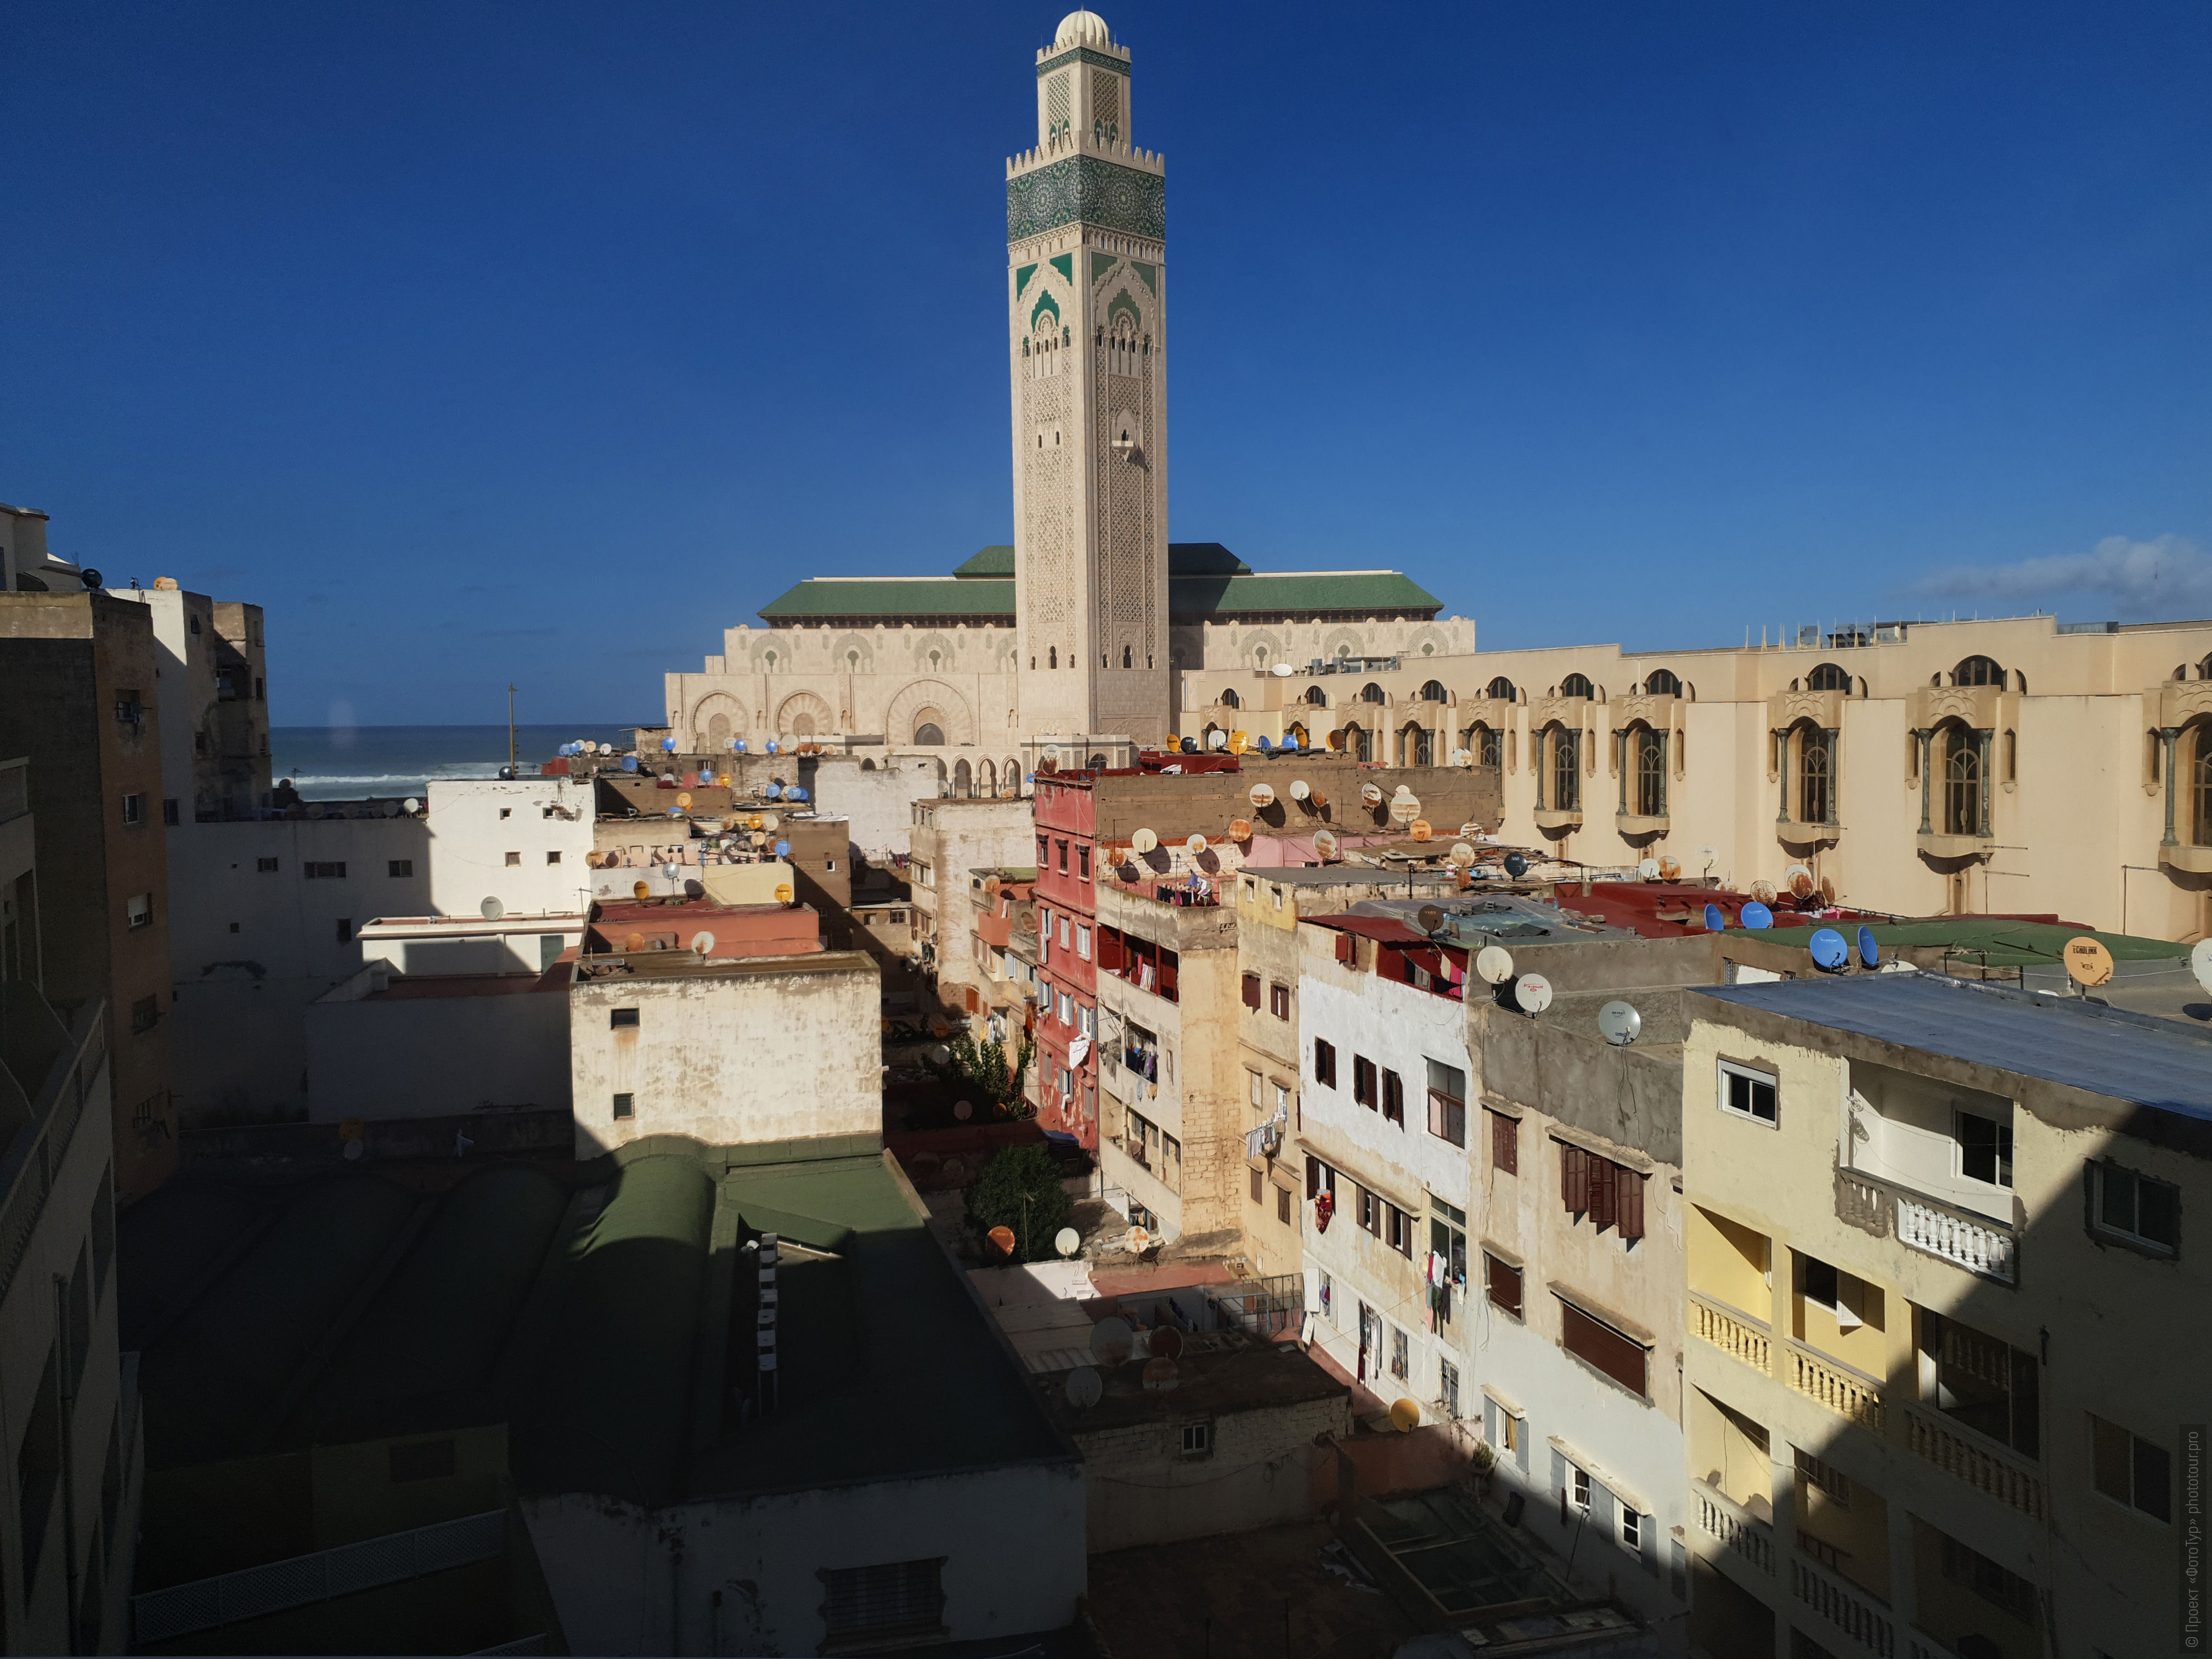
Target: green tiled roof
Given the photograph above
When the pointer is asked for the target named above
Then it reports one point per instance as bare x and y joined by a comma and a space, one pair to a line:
996, 560
892, 597
1364, 591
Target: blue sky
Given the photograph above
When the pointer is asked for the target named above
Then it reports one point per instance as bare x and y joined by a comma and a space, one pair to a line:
542, 341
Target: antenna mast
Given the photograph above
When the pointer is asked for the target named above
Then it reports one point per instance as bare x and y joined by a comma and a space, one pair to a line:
510, 729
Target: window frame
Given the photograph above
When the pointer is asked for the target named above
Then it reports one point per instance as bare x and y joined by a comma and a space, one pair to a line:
2100, 1173
1753, 1075
1497, 1269
1324, 1063
1279, 1001
2132, 1472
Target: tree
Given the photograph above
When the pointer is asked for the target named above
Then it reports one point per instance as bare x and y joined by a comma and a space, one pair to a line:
1019, 1189
979, 1072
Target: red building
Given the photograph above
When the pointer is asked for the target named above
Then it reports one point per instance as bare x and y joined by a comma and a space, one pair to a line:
1066, 1089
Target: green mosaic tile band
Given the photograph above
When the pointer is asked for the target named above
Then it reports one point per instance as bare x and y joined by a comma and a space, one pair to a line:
1022, 275
1091, 191
1083, 55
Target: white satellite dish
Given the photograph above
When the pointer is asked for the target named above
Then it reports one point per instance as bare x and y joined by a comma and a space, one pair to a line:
1143, 842
410, 806
1195, 846
1493, 964
1533, 992
1463, 757
1372, 793
1217, 740
1707, 855
2200, 963
702, 943
1404, 808
1619, 1023
491, 909
1262, 795
1112, 1341
1052, 753
1301, 790
1325, 843
1085, 1387
1281, 670
1461, 853
1649, 869
1067, 1241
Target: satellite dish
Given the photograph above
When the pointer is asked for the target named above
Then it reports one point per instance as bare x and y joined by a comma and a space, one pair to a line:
773, 791
1111, 1341
1238, 742
88, 576
783, 892
1763, 892
684, 799
1516, 865
1217, 740
2088, 963
990, 885
1240, 829
1372, 793
2200, 963
1533, 992
1404, 1415
1163, 1342
1188, 746
795, 793
783, 849
1085, 1387
1649, 869
1161, 1375
639, 889
1262, 795
1827, 889
630, 762
1405, 809
1143, 842
1756, 914
1336, 740
633, 942
1870, 952
1300, 789
1195, 846
702, 942
1429, 917
491, 909
1325, 844
1715, 921
1003, 1239
1067, 1241
668, 746
1463, 757
1493, 964
1800, 880
1829, 950
1421, 829
755, 822
353, 1149
1281, 670
1461, 853
1670, 869
410, 806
1619, 1023
769, 821
1261, 743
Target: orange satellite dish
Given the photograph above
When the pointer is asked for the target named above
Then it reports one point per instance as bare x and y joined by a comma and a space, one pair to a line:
1240, 829
635, 942
1419, 829
2088, 963
641, 890
1003, 1238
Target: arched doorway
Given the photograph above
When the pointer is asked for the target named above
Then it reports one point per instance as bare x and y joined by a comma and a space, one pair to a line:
963, 780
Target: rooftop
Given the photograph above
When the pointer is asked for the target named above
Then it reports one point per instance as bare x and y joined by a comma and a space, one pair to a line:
413, 987
2159, 1064
1216, 1372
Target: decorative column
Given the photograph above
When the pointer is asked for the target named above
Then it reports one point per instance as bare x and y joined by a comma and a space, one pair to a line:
1829, 736
1665, 745
1621, 760
1985, 744
1926, 734
1782, 771
2167, 740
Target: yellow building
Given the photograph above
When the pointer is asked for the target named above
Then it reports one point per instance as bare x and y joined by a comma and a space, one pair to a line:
1942, 1327
1918, 768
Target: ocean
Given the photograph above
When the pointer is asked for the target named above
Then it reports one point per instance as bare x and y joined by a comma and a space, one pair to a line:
342, 763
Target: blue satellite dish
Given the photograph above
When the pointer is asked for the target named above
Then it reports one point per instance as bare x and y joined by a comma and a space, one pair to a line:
1869, 952
1756, 914
1715, 921
783, 849
669, 744
1828, 948
795, 793
771, 745
1516, 865
630, 762
736, 745
1261, 742
773, 791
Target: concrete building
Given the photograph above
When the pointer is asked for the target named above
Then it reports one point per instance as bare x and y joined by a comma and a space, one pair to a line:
213, 703
1936, 1244
951, 840
439, 1045
69, 1525
78, 675
763, 1037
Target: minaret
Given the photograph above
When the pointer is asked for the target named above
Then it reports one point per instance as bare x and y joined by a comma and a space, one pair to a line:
1086, 306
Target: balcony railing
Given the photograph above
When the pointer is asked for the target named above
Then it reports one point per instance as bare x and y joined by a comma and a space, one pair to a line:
1846, 1605
1984, 1247
1980, 1467
1734, 1333
28, 1172
1843, 1391
1722, 1518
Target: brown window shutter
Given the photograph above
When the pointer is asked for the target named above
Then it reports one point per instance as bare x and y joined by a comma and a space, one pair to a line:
1344, 947
1504, 1144
1631, 1203
1603, 1175
1574, 1180
1252, 992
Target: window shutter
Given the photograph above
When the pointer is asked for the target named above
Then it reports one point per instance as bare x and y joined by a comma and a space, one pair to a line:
1344, 947
1631, 1203
1252, 992
1504, 1144
1603, 1175
1574, 1178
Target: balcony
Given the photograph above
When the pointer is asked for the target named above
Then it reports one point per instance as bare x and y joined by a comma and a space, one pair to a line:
1974, 1461
1551, 818
1733, 1527
1844, 1606
1983, 1247
1735, 1335
1846, 1392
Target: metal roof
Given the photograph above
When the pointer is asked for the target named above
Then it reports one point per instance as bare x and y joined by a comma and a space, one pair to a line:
2137, 1058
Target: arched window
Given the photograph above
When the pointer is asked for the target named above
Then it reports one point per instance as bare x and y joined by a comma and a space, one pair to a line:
1052, 656
1370, 692
718, 733
986, 779
1126, 656
1229, 698
929, 734
963, 780
1565, 780
1481, 742
2200, 789
1816, 769
1978, 671
1433, 691
1262, 656
1416, 746
2204, 669
1648, 754
1577, 686
1316, 697
1502, 689
1962, 782
1827, 677
802, 725
1663, 683
1010, 777
1358, 743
